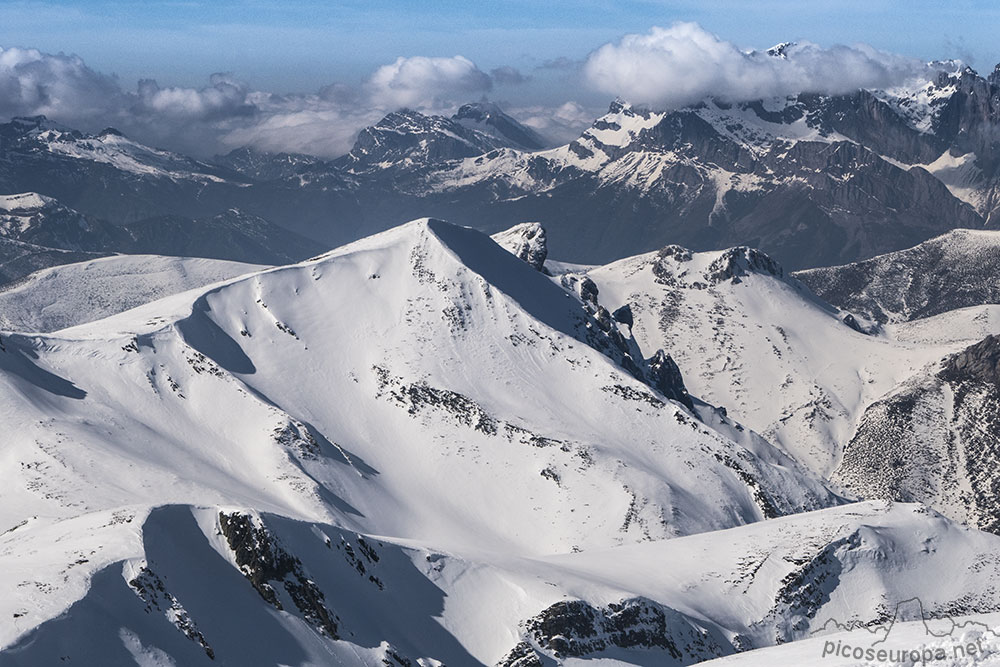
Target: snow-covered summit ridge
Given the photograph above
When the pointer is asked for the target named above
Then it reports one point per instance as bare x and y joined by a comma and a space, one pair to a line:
25, 201
108, 147
489, 118
421, 430
434, 308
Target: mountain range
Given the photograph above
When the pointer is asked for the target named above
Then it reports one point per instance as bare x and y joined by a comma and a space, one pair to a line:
378, 503
702, 382
813, 180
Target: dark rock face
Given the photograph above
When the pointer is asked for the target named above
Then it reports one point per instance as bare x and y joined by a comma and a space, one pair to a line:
977, 363
666, 378
149, 587
588, 291
522, 655
574, 628
957, 270
623, 315
264, 562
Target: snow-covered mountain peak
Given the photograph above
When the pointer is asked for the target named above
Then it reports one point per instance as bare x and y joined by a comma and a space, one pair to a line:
33, 125
411, 140
418, 447
490, 119
23, 202
41, 138
676, 265
756, 341
781, 50
994, 76
32, 217
433, 309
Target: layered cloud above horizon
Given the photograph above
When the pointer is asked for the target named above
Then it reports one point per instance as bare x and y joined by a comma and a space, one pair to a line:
663, 68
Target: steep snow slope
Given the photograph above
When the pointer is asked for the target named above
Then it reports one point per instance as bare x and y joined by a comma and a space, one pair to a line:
956, 270
758, 343
350, 390
401, 328
73, 294
963, 325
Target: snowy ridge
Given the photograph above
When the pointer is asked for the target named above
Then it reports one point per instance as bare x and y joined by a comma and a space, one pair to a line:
74, 294
112, 148
446, 308
758, 343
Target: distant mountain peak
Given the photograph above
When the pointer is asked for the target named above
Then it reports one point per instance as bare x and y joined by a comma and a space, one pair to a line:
994, 77
781, 50
25, 125
24, 201
489, 118
111, 132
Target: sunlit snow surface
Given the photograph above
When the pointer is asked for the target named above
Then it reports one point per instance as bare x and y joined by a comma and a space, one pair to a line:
427, 445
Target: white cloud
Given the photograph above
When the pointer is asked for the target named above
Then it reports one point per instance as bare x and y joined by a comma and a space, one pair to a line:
223, 98
323, 124
561, 124
228, 113
422, 82
666, 67
683, 64
32, 82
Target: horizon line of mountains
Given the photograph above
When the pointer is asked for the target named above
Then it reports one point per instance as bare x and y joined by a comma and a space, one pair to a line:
812, 180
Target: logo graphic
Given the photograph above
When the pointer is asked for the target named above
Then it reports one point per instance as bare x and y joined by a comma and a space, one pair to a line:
944, 637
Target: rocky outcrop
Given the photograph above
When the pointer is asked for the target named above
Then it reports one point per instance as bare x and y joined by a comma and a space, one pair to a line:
976, 363
666, 378
527, 242
741, 261
577, 629
265, 563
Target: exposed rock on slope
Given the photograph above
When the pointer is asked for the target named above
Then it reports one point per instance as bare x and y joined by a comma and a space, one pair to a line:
936, 440
527, 242
956, 270
758, 343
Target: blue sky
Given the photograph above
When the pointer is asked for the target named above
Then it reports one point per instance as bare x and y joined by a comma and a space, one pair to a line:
301, 45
